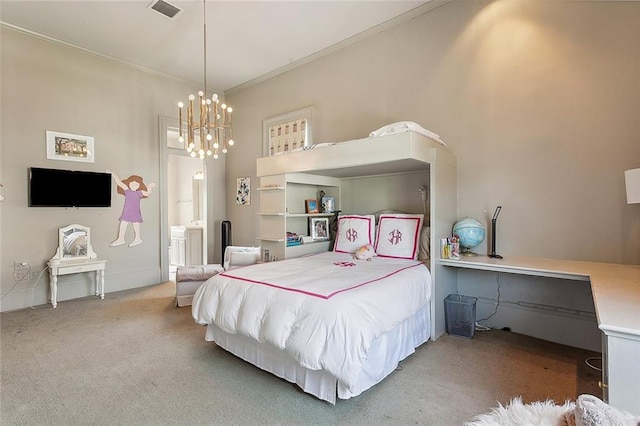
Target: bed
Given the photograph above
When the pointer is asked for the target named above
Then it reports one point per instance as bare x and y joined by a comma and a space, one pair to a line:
330, 323
401, 308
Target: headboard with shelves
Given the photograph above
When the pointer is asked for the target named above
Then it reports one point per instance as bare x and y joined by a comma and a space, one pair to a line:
391, 157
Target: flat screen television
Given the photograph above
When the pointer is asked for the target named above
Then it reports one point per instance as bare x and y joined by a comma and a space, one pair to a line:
68, 188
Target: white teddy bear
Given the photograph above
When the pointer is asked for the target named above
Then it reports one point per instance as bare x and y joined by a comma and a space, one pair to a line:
366, 252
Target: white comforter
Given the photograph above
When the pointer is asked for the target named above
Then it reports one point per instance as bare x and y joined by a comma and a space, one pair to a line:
324, 310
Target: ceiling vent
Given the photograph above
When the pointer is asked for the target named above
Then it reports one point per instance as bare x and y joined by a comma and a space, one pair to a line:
165, 9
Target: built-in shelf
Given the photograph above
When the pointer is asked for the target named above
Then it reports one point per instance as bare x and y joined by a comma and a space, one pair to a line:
307, 248
362, 157
282, 199
275, 240
309, 214
280, 240
270, 188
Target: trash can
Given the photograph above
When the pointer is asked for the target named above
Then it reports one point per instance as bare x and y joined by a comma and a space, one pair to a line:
460, 315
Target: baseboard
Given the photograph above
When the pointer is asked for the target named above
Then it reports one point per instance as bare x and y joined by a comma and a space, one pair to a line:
77, 286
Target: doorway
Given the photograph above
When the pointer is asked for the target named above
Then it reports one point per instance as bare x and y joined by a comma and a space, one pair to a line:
186, 209
212, 203
184, 204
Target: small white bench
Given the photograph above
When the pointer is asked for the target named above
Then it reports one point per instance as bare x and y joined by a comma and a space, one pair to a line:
189, 278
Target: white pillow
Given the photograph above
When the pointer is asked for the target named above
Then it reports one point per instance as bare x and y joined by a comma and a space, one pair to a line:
399, 235
235, 256
354, 231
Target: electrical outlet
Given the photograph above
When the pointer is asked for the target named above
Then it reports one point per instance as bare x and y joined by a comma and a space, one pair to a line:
33, 275
20, 266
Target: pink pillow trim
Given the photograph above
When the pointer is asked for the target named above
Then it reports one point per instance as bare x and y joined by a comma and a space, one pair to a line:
416, 236
352, 217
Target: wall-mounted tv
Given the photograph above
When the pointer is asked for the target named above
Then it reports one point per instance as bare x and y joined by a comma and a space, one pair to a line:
68, 188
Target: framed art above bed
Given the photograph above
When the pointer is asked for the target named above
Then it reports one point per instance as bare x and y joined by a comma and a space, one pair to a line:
287, 132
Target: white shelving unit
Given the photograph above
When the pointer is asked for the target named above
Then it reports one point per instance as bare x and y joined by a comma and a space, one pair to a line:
282, 204
369, 157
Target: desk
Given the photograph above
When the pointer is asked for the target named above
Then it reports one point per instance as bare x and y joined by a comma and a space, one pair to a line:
75, 267
616, 296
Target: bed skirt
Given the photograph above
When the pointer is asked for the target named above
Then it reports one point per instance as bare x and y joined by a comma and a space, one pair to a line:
384, 355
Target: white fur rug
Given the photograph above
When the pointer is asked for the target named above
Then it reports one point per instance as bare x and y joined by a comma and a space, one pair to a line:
516, 413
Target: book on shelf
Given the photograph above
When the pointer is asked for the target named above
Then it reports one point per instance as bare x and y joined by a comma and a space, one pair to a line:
293, 239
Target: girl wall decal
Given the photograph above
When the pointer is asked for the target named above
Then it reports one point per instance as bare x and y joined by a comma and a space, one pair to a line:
134, 190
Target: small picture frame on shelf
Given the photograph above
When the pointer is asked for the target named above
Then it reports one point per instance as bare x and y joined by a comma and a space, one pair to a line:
319, 228
311, 206
328, 204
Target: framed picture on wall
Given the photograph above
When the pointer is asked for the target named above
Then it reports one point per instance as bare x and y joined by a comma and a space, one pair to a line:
69, 147
319, 227
287, 132
243, 191
311, 206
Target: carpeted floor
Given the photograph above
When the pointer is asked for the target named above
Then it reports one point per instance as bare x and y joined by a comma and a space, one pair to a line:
135, 359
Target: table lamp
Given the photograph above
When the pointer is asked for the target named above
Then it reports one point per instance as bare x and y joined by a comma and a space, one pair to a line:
493, 234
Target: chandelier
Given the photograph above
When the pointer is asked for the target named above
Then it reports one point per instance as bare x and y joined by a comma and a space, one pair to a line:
209, 130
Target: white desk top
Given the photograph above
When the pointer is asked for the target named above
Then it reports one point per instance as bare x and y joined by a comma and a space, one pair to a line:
74, 262
615, 287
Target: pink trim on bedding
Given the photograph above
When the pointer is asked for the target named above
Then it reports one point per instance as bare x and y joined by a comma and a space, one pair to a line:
338, 242
309, 293
416, 236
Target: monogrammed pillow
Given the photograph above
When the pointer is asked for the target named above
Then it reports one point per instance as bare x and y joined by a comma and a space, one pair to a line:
399, 235
354, 231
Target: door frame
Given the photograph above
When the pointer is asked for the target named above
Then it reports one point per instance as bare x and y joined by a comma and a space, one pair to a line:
215, 178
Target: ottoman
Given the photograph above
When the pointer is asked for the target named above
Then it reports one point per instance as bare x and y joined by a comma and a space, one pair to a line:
189, 278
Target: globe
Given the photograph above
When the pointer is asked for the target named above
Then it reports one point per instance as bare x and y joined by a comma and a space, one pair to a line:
471, 233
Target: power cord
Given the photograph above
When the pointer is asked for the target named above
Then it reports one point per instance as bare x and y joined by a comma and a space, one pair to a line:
423, 194
24, 277
36, 283
593, 358
480, 327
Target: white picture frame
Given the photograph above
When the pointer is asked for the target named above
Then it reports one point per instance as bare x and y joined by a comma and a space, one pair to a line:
328, 204
69, 147
287, 132
319, 228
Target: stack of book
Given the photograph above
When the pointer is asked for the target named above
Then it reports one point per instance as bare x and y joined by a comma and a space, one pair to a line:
293, 239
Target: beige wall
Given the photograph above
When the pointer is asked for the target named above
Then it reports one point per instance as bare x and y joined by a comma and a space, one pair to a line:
539, 101
46, 86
